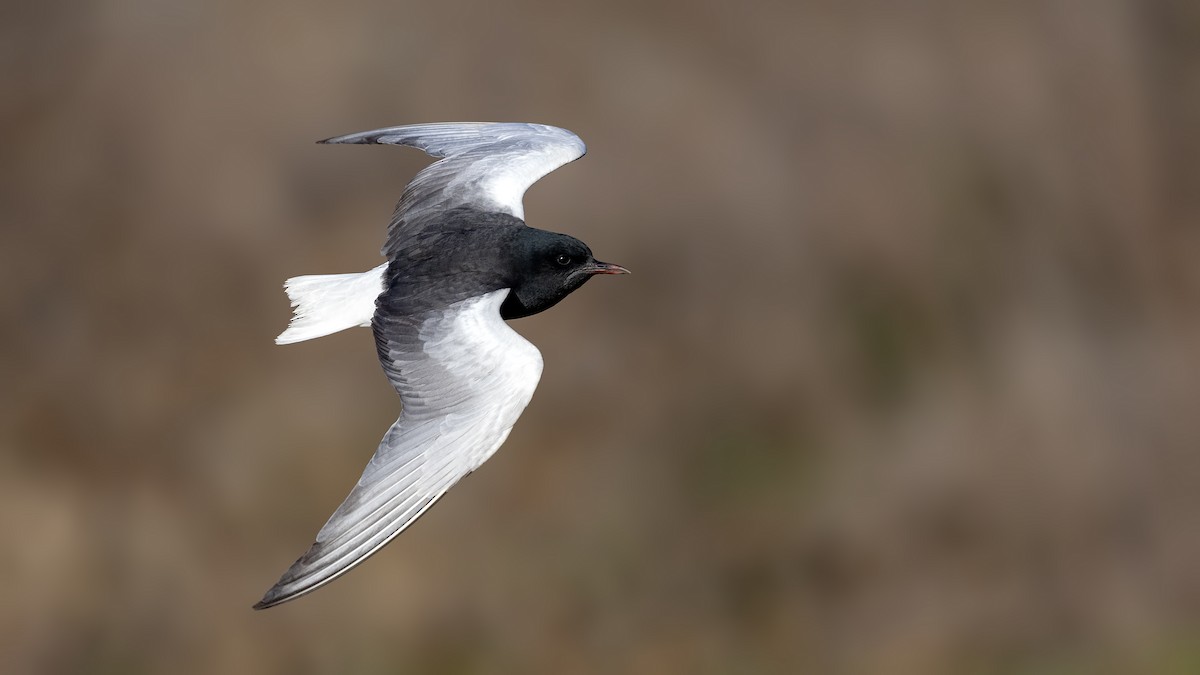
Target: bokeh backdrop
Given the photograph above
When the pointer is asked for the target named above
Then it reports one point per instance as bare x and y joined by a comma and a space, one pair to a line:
906, 379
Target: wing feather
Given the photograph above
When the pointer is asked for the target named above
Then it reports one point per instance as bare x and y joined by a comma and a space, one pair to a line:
464, 377
484, 165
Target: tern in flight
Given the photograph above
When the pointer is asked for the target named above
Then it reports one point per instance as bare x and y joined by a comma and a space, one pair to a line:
460, 262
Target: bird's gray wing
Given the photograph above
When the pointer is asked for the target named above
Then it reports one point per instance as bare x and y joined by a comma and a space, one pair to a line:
464, 377
484, 165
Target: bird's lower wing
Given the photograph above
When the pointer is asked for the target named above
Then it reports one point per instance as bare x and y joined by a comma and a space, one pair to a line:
464, 377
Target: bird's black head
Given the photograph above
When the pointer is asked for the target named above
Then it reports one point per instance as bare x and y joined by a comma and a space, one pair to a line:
546, 267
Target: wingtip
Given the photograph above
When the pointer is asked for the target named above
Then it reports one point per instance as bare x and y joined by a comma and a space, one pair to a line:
348, 139
267, 600
271, 598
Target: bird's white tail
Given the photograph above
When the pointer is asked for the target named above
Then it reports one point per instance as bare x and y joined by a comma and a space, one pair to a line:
327, 303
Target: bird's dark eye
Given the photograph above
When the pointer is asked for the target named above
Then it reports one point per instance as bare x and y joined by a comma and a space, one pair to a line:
563, 259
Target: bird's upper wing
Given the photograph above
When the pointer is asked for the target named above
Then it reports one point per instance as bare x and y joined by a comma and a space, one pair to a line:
485, 165
464, 378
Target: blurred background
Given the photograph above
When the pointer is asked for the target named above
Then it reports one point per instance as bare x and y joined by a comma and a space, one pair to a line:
906, 379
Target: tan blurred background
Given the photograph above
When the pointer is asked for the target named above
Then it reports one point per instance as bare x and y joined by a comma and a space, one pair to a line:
906, 380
